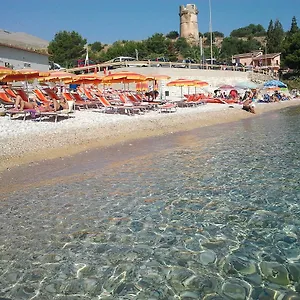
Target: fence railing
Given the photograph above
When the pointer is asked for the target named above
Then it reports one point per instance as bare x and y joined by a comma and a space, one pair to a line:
267, 70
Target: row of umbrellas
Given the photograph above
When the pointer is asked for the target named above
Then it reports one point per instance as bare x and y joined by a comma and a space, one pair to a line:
8, 75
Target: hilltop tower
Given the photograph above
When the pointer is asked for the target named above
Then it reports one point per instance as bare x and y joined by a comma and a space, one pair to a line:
189, 23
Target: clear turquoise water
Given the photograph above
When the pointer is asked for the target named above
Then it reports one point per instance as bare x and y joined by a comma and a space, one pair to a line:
211, 214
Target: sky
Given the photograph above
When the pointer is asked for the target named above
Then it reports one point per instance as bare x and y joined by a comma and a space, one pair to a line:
109, 21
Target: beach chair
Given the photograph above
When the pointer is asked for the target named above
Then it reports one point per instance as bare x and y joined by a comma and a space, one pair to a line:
167, 107
61, 113
79, 101
11, 93
41, 96
51, 93
5, 101
22, 94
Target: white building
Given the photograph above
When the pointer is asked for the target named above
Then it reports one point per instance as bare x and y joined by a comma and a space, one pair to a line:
18, 57
22, 50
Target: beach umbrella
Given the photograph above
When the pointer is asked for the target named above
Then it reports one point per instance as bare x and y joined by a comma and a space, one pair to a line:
124, 76
85, 79
275, 83
6, 71
201, 84
158, 77
226, 87
57, 76
23, 75
181, 83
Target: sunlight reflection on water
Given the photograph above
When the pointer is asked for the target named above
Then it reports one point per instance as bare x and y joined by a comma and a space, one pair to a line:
210, 218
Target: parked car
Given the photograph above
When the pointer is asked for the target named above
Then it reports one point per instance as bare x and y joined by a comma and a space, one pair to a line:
125, 61
184, 63
160, 60
55, 66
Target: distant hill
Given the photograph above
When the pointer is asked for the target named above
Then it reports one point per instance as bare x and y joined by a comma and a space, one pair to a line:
22, 39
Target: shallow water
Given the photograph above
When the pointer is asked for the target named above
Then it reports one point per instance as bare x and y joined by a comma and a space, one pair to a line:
210, 214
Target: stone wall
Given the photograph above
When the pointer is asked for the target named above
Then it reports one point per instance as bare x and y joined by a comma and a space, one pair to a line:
189, 23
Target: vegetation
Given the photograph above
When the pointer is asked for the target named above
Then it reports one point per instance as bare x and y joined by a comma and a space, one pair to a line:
69, 46
66, 47
250, 30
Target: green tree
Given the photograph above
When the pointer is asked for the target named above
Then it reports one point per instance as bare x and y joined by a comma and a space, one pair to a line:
233, 45
182, 46
156, 43
96, 46
66, 47
252, 29
291, 47
173, 35
275, 37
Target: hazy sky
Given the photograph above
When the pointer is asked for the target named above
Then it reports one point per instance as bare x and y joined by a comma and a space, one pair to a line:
108, 21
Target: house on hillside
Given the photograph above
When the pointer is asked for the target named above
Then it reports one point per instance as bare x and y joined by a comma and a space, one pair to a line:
271, 60
246, 59
257, 59
17, 57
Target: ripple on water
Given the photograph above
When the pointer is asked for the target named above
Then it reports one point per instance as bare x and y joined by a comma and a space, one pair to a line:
215, 218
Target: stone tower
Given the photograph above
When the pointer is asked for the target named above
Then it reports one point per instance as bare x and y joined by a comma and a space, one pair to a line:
189, 23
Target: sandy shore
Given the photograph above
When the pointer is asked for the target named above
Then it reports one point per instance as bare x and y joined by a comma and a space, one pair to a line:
28, 141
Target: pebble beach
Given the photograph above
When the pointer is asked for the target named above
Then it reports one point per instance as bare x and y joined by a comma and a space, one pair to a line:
27, 141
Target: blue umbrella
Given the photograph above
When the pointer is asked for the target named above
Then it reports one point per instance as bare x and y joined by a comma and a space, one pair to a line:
273, 83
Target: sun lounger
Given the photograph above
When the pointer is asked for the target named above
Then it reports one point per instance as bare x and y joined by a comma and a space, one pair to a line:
167, 107
22, 94
127, 108
60, 113
51, 93
24, 113
5, 100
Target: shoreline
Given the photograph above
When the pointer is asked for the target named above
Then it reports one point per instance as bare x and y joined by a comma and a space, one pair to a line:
25, 142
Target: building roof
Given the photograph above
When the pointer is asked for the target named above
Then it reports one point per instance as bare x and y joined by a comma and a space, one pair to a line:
38, 51
22, 39
244, 55
265, 56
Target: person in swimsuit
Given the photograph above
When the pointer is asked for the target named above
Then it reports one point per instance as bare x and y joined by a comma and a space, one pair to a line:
248, 105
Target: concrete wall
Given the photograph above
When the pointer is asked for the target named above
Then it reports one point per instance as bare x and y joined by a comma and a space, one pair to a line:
21, 59
215, 78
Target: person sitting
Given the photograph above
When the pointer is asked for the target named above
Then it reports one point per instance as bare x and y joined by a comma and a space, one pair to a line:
248, 105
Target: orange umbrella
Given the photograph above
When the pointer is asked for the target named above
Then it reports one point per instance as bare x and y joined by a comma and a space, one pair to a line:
181, 83
200, 83
23, 75
58, 76
158, 77
5, 71
85, 79
124, 77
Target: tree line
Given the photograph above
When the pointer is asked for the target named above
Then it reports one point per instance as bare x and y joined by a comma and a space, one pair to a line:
67, 47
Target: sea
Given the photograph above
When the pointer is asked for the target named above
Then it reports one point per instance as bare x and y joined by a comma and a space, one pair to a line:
212, 213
